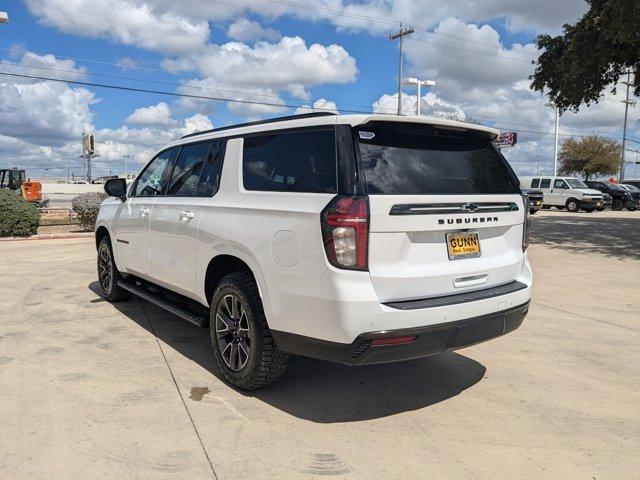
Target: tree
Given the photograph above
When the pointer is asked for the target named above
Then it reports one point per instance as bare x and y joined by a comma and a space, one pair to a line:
587, 156
576, 67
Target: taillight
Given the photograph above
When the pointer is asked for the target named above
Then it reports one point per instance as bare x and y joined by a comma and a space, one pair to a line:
345, 231
527, 222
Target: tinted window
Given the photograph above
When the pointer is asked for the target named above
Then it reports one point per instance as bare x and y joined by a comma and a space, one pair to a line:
209, 179
303, 161
186, 172
152, 180
545, 183
535, 183
406, 159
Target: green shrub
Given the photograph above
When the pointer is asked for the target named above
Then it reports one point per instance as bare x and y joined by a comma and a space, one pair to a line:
18, 218
87, 205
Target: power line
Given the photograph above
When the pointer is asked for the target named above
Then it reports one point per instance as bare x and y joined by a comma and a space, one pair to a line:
250, 102
374, 19
427, 42
179, 85
160, 92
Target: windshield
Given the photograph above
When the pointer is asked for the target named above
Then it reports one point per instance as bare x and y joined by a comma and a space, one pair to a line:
613, 186
631, 187
417, 159
575, 183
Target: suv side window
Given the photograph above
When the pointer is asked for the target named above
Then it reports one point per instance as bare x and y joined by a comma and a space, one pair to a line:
296, 161
545, 183
210, 177
535, 183
559, 184
152, 180
187, 169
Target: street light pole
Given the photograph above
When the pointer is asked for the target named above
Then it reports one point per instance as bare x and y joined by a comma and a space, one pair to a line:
626, 102
126, 165
394, 36
419, 84
555, 147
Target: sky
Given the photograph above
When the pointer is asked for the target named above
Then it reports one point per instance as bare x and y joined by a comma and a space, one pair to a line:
274, 58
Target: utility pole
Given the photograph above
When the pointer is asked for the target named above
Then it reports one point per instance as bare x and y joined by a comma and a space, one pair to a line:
626, 102
394, 36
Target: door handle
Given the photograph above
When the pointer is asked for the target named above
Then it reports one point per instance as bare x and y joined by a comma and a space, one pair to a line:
187, 215
144, 212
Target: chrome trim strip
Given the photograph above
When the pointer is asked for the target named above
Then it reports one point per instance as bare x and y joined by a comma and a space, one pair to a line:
452, 208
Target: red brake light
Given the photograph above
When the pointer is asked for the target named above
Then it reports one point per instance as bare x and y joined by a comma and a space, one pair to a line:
345, 231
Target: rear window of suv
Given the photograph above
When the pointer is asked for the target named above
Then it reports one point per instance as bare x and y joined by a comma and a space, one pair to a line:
416, 159
294, 161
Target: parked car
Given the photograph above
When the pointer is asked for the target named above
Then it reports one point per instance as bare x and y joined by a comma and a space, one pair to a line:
565, 192
535, 199
630, 187
622, 198
635, 183
358, 239
607, 202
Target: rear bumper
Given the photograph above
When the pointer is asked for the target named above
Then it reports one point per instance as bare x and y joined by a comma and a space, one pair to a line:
430, 340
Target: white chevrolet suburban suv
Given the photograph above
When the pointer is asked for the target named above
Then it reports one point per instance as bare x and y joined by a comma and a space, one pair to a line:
357, 239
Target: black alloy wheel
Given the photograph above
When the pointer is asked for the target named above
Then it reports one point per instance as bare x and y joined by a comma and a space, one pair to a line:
105, 269
108, 274
233, 332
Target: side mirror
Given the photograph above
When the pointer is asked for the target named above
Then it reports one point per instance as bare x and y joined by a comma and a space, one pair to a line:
116, 187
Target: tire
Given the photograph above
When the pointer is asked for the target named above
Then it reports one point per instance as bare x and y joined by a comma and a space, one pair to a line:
589, 210
617, 205
533, 212
560, 208
573, 205
108, 274
243, 346
631, 209
546, 207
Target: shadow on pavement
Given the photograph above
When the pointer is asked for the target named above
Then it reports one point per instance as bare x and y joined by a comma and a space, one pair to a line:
614, 237
324, 392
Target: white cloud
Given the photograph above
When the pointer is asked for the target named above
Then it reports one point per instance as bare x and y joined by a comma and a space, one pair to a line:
44, 113
430, 105
159, 114
196, 123
245, 30
286, 64
124, 21
268, 102
320, 105
126, 63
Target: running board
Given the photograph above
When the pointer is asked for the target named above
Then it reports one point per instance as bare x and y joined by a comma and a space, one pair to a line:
198, 320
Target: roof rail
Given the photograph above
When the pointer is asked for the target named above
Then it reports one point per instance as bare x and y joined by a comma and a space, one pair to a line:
262, 122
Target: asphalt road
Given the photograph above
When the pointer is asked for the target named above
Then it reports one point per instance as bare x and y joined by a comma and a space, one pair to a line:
94, 390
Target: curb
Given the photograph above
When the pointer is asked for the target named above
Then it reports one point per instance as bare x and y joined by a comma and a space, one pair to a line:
49, 237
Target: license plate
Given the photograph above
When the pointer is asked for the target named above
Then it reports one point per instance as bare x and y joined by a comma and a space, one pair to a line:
538, 203
463, 245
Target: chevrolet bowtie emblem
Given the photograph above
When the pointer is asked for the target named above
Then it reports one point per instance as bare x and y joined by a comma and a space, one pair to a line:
469, 207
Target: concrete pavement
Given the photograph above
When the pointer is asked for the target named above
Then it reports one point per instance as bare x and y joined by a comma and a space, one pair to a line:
94, 390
